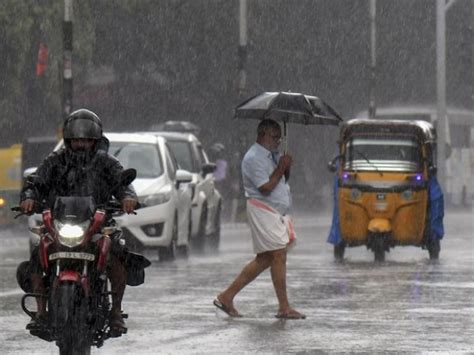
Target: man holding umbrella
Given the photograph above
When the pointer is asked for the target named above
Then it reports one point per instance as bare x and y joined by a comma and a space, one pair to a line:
265, 175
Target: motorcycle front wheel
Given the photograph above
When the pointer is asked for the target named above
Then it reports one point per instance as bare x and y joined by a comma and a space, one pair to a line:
70, 309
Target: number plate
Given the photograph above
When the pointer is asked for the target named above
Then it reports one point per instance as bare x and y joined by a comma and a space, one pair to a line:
71, 255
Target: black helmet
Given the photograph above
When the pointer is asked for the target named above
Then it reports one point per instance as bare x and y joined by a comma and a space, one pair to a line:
82, 123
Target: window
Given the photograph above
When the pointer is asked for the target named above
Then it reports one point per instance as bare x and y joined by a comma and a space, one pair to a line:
202, 156
170, 163
182, 152
383, 153
143, 157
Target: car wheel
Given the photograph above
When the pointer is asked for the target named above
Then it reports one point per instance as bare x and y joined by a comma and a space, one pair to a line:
183, 250
215, 238
199, 241
169, 253
379, 249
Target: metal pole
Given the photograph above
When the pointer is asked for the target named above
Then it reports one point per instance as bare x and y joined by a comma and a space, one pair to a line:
441, 89
237, 202
67, 58
242, 52
373, 60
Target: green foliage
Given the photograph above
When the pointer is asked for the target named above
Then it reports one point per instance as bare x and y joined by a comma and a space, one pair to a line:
23, 25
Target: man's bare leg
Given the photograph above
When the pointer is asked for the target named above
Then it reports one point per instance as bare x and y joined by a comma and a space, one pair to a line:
278, 272
118, 280
38, 287
254, 268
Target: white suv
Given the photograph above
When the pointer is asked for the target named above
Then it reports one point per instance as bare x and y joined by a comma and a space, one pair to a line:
206, 200
164, 220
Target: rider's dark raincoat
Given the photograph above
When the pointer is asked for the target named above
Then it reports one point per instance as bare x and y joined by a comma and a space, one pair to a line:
63, 173
66, 173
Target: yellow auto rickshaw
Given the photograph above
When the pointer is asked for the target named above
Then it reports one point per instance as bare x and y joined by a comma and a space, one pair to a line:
385, 192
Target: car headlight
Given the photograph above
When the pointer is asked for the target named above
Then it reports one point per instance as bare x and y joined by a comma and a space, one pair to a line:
155, 199
71, 235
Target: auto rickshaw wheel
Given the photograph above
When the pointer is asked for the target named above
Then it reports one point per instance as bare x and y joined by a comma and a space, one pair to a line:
433, 249
339, 251
378, 247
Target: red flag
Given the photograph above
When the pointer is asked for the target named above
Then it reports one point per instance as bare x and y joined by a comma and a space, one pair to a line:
42, 62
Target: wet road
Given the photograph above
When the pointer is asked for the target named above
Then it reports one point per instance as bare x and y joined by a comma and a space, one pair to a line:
405, 305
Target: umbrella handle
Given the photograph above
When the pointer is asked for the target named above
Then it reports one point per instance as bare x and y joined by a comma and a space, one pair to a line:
285, 137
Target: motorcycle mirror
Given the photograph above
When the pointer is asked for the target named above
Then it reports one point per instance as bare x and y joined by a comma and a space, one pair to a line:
128, 175
433, 170
29, 171
332, 166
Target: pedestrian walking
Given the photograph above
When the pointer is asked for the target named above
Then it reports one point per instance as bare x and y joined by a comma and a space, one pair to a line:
265, 176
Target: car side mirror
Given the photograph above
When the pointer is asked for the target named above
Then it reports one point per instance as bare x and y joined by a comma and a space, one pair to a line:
208, 168
183, 176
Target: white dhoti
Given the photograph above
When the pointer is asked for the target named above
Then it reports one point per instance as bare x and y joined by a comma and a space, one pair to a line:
270, 230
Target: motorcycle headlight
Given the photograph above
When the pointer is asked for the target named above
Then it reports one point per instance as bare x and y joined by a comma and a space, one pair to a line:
155, 199
71, 235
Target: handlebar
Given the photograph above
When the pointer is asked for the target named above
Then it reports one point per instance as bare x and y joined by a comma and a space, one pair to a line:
113, 207
18, 209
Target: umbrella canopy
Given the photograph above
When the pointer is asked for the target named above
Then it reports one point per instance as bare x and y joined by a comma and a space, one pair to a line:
176, 126
288, 107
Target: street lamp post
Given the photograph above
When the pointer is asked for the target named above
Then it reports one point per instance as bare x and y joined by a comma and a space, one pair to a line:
441, 88
237, 203
442, 6
373, 58
242, 46
67, 58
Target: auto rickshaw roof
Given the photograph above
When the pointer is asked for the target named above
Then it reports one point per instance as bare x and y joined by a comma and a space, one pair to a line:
421, 129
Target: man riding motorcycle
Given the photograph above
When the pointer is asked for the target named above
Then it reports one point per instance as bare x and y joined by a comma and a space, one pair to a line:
82, 168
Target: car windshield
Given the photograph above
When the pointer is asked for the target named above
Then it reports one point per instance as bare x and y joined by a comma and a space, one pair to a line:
144, 157
182, 152
382, 153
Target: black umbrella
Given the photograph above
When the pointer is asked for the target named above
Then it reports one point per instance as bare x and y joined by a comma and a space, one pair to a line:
288, 107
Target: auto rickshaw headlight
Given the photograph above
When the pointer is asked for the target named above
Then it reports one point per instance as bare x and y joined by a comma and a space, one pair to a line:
355, 194
407, 195
416, 178
347, 178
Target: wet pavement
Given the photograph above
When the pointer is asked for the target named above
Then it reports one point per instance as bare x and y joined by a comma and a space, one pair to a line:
405, 305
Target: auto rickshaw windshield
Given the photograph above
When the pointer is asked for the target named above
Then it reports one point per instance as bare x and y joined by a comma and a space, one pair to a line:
383, 154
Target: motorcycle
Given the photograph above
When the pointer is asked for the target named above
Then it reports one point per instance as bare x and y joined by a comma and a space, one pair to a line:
75, 242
